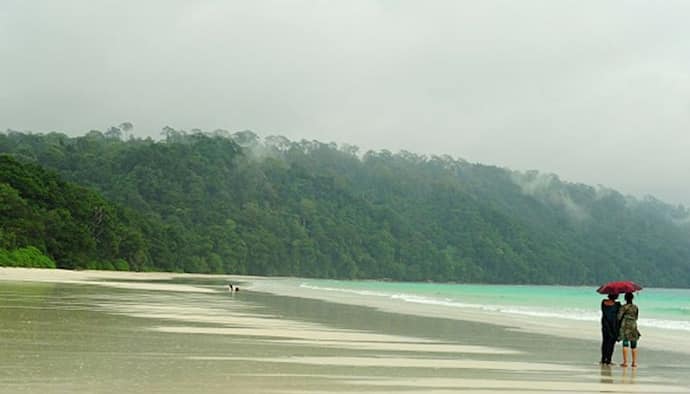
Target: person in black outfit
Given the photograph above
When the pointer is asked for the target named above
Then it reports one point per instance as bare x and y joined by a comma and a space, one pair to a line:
609, 327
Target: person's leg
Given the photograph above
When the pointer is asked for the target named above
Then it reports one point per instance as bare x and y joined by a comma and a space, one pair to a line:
610, 344
604, 344
625, 353
633, 347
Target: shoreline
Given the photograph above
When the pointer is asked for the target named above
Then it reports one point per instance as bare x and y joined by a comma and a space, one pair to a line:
653, 338
667, 340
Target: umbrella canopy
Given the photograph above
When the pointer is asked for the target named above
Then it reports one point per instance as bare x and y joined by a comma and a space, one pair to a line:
624, 286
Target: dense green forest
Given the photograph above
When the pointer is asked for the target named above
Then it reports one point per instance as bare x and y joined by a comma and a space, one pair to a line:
48, 222
235, 203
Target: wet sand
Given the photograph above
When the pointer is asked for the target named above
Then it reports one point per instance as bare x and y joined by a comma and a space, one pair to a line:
109, 332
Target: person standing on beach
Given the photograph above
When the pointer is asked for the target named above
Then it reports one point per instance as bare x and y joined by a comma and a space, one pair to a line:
609, 327
627, 315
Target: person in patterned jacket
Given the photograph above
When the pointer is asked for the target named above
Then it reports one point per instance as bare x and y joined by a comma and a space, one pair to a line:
627, 316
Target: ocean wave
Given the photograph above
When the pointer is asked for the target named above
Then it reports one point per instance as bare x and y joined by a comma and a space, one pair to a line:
667, 324
341, 290
572, 314
566, 313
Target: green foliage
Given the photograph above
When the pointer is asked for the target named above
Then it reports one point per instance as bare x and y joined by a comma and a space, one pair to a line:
25, 257
121, 265
226, 203
75, 227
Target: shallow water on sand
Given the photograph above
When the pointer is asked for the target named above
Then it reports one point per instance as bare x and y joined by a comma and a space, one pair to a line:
87, 337
660, 308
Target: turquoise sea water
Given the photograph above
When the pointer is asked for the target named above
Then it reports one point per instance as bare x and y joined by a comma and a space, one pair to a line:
662, 308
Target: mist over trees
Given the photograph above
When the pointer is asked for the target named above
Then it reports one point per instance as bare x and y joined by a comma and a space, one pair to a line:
222, 202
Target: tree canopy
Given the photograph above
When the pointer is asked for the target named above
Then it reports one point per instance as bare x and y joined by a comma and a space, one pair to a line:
235, 203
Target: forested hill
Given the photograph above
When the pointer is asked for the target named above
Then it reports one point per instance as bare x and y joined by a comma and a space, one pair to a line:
44, 220
236, 203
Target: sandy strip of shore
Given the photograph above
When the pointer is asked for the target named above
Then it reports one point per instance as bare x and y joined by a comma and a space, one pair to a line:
67, 276
134, 280
62, 275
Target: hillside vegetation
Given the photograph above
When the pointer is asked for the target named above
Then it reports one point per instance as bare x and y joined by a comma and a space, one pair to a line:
224, 203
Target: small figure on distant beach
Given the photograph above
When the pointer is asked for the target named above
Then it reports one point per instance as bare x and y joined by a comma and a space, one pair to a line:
609, 327
627, 316
230, 287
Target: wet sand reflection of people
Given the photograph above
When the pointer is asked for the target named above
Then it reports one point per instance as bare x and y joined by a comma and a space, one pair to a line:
606, 374
628, 377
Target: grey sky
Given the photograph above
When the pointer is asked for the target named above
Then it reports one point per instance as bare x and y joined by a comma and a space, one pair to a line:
595, 91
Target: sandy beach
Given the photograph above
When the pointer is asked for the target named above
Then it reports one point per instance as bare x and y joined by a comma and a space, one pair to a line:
87, 331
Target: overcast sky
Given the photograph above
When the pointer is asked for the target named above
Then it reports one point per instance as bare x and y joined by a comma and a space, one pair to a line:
594, 91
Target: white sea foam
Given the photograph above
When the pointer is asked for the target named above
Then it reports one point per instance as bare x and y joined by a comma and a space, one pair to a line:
565, 313
667, 324
340, 290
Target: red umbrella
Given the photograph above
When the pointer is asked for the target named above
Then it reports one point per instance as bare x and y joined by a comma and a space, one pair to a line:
624, 286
